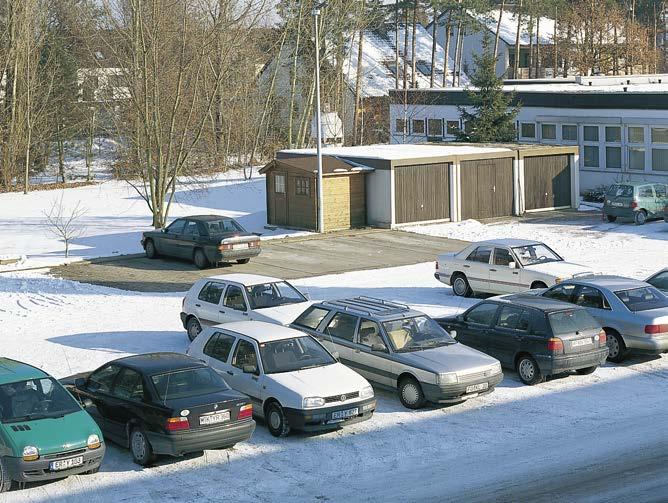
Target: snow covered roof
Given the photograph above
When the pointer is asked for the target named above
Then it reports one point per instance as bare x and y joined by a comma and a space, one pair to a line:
400, 151
508, 29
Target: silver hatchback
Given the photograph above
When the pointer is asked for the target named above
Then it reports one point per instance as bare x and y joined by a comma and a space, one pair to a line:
634, 314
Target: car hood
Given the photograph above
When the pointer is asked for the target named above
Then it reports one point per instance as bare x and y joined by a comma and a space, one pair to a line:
330, 380
451, 358
52, 435
560, 269
285, 314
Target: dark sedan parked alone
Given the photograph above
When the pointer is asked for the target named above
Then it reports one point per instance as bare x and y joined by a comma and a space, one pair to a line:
164, 403
537, 337
204, 239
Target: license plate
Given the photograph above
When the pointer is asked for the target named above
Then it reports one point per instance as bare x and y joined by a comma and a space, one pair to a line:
218, 417
240, 246
64, 464
581, 342
344, 414
477, 387
619, 205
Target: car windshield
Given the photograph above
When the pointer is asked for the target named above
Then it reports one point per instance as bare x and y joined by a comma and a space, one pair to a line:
414, 334
273, 294
297, 353
223, 226
642, 299
535, 254
35, 399
188, 382
620, 190
571, 321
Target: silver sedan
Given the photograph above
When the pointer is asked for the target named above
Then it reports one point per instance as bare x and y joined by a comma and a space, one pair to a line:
660, 279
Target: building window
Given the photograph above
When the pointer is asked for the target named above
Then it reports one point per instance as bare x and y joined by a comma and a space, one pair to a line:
434, 127
591, 156
637, 158
659, 135
418, 126
613, 134
400, 126
452, 127
302, 186
279, 184
528, 130
660, 159
591, 133
613, 157
569, 132
636, 134
548, 131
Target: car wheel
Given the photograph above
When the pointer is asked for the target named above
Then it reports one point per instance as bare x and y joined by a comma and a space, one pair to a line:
201, 262
611, 218
411, 394
528, 371
193, 328
460, 286
243, 261
587, 370
5, 481
277, 423
640, 217
151, 252
538, 284
142, 452
616, 347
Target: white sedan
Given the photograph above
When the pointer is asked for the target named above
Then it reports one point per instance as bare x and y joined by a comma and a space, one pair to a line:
293, 381
504, 266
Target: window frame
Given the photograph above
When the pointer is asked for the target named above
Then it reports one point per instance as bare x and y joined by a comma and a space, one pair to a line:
404, 128
542, 131
214, 341
338, 338
521, 131
282, 185
117, 379
235, 351
438, 121
243, 296
418, 121
478, 306
448, 123
567, 140
578, 290
379, 331
302, 186
206, 285
119, 369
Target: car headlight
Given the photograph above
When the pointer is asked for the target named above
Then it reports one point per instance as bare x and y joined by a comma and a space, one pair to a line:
93, 441
447, 378
30, 453
312, 401
367, 392
496, 368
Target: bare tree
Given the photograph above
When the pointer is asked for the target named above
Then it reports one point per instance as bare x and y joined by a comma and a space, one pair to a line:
65, 223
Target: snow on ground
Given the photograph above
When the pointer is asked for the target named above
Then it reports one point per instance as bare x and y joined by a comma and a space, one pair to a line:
605, 247
116, 216
67, 327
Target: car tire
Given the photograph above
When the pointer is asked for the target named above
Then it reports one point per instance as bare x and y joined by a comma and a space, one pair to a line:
200, 260
640, 217
460, 285
193, 328
587, 370
277, 423
411, 394
150, 250
616, 347
611, 218
528, 370
243, 261
142, 452
538, 284
5, 481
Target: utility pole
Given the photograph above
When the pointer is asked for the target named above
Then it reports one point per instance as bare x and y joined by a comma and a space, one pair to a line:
318, 118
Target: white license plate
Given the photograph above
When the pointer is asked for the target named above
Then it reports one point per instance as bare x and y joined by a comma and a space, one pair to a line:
240, 246
581, 342
218, 417
344, 414
619, 205
477, 387
64, 464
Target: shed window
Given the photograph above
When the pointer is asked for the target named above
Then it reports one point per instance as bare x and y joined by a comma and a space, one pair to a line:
434, 127
452, 127
418, 126
569, 132
279, 184
528, 130
400, 126
302, 186
548, 131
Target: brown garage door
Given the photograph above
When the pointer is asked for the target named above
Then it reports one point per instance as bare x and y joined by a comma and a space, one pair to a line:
422, 192
547, 182
487, 188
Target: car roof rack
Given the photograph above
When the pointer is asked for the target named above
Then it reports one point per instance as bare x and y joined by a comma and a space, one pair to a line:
369, 306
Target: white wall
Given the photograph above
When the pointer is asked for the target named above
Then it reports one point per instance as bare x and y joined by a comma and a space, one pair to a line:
379, 190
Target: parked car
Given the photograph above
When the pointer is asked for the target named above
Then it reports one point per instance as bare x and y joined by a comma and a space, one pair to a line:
537, 337
504, 266
204, 239
294, 382
659, 280
164, 404
637, 201
239, 297
44, 433
402, 350
633, 313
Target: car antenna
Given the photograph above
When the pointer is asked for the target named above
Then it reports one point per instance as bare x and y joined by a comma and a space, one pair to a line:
67, 360
164, 400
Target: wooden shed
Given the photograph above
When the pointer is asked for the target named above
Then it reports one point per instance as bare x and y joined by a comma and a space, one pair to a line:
292, 196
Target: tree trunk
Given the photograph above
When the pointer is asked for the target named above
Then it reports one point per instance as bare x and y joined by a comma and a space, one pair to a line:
461, 55
405, 48
293, 83
413, 36
358, 82
555, 41
446, 57
537, 72
456, 70
433, 49
396, 44
61, 152
530, 30
498, 28
518, 14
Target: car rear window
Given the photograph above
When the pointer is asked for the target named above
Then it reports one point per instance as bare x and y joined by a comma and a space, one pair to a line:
620, 191
188, 382
571, 321
642, 299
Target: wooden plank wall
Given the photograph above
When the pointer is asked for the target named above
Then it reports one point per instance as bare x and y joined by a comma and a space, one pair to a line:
345, 201
422, 192
547, 181
487, 188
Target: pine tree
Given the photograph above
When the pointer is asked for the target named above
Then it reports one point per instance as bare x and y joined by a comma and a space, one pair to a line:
492, 118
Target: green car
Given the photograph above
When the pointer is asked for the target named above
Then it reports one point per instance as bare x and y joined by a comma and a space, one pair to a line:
635, 200
44, 433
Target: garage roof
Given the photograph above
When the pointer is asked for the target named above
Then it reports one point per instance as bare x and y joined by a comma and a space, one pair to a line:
331, 164
393, 152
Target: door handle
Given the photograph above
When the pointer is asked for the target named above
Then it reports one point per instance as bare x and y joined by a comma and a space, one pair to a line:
245, 314
515, 272
198, 305
467, 266
356, 351
230, 372
221, 311
493, 270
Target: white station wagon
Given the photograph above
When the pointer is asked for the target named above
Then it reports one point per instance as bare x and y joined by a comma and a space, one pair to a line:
504, 266
240, 297
293, 381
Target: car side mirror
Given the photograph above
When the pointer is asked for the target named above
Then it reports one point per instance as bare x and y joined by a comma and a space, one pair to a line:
80, 383
460, 318
453, 334
163, 230
381, 348
336, 355
250, 369
512, 265
87, 403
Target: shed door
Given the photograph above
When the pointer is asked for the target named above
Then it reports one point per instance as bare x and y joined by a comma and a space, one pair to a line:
547, 181
422, 192
487, 188
278, 188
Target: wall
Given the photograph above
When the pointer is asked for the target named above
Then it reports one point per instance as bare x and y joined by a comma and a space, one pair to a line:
344, 201
379, 200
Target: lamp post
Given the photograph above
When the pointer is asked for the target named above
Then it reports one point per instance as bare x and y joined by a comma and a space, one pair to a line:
318, 118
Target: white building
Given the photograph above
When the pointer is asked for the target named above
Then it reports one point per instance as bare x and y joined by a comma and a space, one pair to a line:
619, 123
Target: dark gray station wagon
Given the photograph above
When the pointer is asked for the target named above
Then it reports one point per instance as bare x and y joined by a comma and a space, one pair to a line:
536, 336
401, 349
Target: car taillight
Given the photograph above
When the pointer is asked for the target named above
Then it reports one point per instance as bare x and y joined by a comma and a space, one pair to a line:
602, 337
245, 412
254, 244
177, 424
634, 204
656, 329
437, 265
554, 344
224, 247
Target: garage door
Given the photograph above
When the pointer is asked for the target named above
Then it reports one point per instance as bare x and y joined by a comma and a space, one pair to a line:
547, 182
487, 188
422, 192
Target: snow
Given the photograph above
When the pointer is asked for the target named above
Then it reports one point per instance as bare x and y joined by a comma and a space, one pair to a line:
400, 151
508, 29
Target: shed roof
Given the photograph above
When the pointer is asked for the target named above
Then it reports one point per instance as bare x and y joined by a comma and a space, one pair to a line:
331, 164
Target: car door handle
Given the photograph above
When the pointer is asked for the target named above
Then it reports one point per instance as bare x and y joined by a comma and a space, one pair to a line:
493, 270
467, 266
356, 351
515, 272
198, 305
245, 314
230, 372
221, 311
